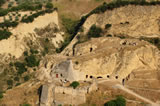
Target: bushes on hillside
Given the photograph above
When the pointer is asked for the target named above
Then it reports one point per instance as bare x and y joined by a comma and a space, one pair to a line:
7, 24
94, 31
20, 67
26, 6
3, 12
26, 78
31, 61
4, 34
2, 2
49, 5
119, 101
31, 18
107, 26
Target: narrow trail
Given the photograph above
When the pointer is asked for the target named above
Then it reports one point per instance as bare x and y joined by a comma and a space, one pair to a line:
143, 88
135, 94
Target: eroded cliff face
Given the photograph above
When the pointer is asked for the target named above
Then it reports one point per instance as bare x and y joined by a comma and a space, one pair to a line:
134, 21
100, 57
24, 34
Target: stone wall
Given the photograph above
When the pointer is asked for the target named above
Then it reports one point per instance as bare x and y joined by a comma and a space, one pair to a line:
65, 95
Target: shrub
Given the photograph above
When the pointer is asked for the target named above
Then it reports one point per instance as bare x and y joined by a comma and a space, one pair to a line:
17, 84
19, 15
16, 18
39, 6
31, 18
10, 18
9, 87
25, 53
31, 61
7, 24
4, 34
33, 51
11, 64
9, 5
74, 84
10, 82
3, 12
20, 67
26, 78
119, 101
94, 31
49, 5
16, 78
107, 26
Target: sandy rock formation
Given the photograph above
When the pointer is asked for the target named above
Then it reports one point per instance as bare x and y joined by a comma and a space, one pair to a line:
135, 21
101, 57
16, 44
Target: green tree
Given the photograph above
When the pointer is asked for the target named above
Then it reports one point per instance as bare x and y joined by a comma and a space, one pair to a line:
31, 61
119, 101
94, 31
20, 67
107, 26
10, 82
49, 5
26, 78
16, 78
74, 84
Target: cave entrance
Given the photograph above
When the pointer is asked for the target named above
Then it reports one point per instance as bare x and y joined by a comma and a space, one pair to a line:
86, 76
99, 77
91, 49
107, 76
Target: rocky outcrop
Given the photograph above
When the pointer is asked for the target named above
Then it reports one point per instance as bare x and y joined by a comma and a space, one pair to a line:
24, 33
113, 57
134, 21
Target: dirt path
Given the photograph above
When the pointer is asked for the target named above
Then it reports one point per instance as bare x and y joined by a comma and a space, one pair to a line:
135, 94
143, 88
